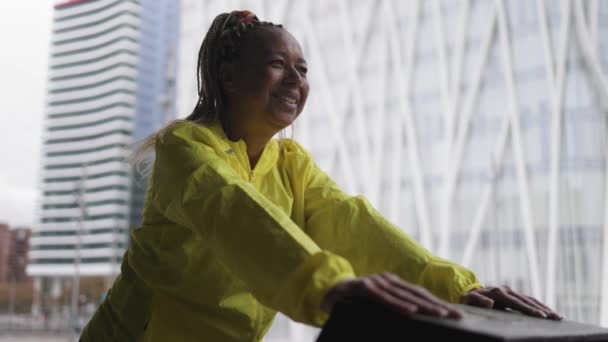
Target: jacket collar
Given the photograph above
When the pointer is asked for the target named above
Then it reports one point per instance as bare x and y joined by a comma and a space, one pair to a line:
225, 147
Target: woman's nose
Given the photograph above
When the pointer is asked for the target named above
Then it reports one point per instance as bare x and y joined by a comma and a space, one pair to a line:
293, 76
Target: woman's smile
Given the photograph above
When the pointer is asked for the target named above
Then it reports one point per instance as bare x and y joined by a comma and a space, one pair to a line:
289, 100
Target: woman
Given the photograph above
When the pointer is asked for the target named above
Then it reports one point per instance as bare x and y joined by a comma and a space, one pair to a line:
238, 226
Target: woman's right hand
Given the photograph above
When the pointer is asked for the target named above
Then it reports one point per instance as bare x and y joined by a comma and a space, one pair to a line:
393, 292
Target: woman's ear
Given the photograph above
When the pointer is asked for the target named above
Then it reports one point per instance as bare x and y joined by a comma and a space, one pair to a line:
227, 77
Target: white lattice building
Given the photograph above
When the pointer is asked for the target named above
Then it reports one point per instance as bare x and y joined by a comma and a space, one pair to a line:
479, 127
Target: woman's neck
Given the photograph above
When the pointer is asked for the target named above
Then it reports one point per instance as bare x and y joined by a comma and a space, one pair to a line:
256, 141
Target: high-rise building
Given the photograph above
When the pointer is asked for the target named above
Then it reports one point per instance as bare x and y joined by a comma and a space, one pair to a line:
111, 82
479, 127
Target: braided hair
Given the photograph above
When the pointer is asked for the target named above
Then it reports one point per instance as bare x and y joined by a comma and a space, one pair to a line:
221, 44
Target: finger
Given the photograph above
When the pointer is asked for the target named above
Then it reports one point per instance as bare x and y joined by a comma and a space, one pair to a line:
479, 300
375, 292
528, 301
424, 306
552, 313
418, 291
504, 298
535, 303
422, 297
539, 303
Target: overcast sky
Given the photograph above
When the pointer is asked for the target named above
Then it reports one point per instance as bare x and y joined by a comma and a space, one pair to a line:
24, 36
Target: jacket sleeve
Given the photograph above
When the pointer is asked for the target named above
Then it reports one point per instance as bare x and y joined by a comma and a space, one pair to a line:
282, 267
349, 226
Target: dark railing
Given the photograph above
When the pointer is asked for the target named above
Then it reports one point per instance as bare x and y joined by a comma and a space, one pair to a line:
361, 320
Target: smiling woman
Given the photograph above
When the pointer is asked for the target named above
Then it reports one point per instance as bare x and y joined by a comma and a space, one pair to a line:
238, 225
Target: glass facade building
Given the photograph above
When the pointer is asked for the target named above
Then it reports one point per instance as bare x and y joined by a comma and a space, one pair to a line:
111, 82
479, 127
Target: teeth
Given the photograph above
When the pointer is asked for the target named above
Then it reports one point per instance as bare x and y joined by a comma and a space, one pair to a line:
289, 100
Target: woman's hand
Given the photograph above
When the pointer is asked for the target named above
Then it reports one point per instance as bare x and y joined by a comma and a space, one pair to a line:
392, 291
503, 297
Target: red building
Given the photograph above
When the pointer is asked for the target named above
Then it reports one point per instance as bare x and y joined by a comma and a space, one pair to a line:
14, 247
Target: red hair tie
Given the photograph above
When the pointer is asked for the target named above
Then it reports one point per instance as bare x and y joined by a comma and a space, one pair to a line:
244, 16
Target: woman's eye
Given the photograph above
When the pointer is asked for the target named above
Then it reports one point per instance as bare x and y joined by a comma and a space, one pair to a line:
303, 70
277, 62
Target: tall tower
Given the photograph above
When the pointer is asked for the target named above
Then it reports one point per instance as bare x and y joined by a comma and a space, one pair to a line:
108, 83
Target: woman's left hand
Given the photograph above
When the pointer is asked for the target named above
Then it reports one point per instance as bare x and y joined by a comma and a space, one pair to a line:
503, 297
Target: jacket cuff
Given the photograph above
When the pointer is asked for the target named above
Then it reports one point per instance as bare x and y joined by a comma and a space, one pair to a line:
302, 294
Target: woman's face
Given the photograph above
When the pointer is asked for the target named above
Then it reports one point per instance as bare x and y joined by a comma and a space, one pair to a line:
269, 83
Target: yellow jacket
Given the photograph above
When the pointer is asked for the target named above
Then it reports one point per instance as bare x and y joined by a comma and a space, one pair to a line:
223, 247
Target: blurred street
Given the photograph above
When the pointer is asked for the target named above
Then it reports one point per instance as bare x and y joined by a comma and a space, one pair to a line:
35, 337
24, 328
